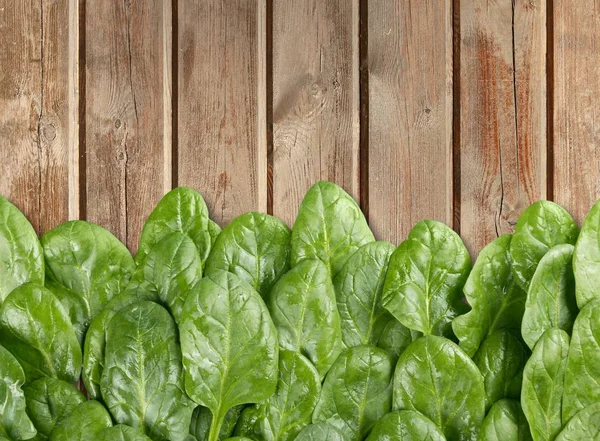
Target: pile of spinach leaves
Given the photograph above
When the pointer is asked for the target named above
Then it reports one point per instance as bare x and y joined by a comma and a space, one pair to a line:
258, 332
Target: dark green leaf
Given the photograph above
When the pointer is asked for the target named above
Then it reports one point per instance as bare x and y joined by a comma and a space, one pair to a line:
321, 432
202, 417
254, 246
329, 227
405, 425
541, 226
585, 425
35, 328
121, 432
435, 377
586, 258
86, 423
505, 422
303, 308
395, 337
551, 298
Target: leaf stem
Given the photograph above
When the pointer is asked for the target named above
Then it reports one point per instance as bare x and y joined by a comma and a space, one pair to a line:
215, 426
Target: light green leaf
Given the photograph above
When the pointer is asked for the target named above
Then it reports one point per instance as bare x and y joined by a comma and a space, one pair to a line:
586, 258
585, 425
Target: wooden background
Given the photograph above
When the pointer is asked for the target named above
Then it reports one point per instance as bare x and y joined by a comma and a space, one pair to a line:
463, 111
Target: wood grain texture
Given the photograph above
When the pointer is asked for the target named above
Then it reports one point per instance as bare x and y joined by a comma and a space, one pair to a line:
315, 99
410, 115
219, 112
503, 115
576, 110
38, 108
127, 113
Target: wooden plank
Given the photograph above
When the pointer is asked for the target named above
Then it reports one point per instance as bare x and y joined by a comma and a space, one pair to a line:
576, 110
410, 115
37, 108
221, 151
503, 115
127, 133
315, 99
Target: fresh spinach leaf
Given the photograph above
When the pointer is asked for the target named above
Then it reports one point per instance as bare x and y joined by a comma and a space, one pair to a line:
423, 285
14, 421
357, 391
35, 328
229, 345
86, 423
395, 337
303, 307
541, 226
405, 425
320, 432
582, 387
551, 298
202, 417
121, 432
86, 266
49, 401
496, 300
329, 227
435, 377
505, 422
142, 381
586, 258
543, 384
255, 247
501, 359
21, 257
585, 425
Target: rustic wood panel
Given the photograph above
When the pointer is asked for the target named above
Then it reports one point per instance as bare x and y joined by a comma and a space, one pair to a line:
503, 115
38, 108
220, 76
576, 109
410, 115
127, 132
315, 99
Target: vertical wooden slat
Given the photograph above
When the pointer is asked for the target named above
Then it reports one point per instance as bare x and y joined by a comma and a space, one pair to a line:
221, 151
576, 96
127, 112
503, 114
36, 108
315, 99
410, 114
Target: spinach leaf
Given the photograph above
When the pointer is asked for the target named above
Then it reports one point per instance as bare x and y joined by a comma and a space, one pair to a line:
121, 432
583, 364
255, 247
229, 345
86, 423
501, 359
505, 422
541, 226
543, 384
357, 391
202, 417
329, 227
395, 337
35, 328
14, 421
303, 308
181, 210
142, 382
49, 401
551, 298
320, 432
586, 258
435, 377
585, 424
21, 258
423, 286
358, 287
289, 410
86, 266
496, 300
405, 425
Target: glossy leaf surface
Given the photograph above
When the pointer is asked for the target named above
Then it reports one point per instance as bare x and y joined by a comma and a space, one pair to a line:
405, 425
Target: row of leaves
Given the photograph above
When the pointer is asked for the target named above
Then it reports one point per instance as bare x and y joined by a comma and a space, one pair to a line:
318, 333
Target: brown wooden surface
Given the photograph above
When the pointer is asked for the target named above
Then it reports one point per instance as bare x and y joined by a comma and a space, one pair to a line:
459, 110
502, 115
410, 115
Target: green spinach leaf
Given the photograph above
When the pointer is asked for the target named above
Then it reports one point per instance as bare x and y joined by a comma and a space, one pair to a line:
405, 425
395, 337
303, 307
229, 345
586, 258
329, 227
86, 423
505, 422
541, 226
435, 377
543, 384
551, 298
320, 432
121, 432
35, 328
585, 425
255, 247
202, 417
